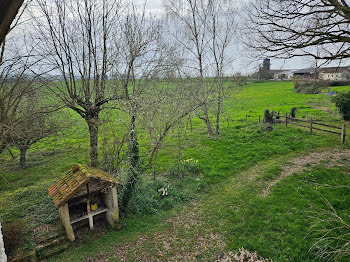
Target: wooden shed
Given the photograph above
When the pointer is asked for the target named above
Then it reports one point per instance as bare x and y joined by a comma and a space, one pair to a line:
84, 193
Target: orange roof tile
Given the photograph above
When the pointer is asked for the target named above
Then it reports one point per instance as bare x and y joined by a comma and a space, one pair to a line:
65, 187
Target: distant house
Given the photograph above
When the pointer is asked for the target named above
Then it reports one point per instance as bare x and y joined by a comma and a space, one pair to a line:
325, 73
306, 73
284, 75
334, 73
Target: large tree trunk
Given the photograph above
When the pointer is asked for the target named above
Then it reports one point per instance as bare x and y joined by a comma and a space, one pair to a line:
134, 164
22, 156
92, 122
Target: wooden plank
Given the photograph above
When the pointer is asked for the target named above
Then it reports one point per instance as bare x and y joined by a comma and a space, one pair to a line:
286, 120
310, 125
329, 131
299, 120
343, 134
93, 213
321, 124
298, 125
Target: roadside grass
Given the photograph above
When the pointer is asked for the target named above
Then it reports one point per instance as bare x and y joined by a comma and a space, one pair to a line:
23, 193
279, 226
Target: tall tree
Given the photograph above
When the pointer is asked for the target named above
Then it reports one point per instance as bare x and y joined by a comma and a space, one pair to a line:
191, 32
222, 26
295, 27
76, 40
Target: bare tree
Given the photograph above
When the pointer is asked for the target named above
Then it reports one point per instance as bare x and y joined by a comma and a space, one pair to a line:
152, 101
192, 34
294, 27
221, 26
35, 123
76, 40
136, 63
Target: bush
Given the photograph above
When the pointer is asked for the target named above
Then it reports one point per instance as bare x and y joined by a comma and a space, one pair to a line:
13, 234
309, 86
340, 83
342, 101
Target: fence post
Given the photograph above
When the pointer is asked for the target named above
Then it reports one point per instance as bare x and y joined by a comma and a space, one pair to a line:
259, 119
343, 133
311, 125
246, 118
286, 119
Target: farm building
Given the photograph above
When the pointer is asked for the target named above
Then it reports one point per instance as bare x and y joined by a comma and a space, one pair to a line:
84, 193
306, 73
284, 75
334, 73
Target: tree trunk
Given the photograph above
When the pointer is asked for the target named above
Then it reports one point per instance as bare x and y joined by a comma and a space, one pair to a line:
207, 120
22, 156
134, 164
2, 147
218, 110
92, 122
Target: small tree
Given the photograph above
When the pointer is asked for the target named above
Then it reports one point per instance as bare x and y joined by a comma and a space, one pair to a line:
342, 101
33, 127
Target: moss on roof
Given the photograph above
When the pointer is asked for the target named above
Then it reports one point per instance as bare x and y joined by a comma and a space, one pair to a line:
65, 187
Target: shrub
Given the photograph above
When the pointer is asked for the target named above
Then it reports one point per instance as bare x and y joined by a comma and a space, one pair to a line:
340, 83
309, 86
342, 101
13, 234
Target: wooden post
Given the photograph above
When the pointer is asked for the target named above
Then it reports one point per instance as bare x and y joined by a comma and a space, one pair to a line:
88, 207
246, 118
311, 125
343, 133
259, 119
228, 121
286, 119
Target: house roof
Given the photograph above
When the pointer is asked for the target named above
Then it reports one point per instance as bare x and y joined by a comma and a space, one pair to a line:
79, 175
337, 69
305, 71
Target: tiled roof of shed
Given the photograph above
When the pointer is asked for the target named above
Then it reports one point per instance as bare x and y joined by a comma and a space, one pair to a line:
65, 187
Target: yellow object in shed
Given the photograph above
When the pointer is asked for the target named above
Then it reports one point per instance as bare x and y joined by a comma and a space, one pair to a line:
94, 207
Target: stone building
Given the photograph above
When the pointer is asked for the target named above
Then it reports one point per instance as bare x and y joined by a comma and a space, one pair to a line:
84, 193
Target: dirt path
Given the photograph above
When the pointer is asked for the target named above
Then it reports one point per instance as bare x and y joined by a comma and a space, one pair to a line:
301, 163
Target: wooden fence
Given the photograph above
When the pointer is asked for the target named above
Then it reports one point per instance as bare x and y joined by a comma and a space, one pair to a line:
312, 125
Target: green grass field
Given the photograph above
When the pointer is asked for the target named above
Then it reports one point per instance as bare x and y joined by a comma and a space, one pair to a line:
219, 182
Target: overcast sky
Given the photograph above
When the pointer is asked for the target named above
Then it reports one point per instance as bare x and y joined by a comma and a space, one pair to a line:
242, 61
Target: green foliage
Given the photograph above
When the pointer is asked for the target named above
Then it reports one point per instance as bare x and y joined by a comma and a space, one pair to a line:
342, 101
304, 86
23, 193
187, 167
148, 198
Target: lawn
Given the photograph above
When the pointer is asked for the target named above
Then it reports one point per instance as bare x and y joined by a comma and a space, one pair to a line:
230, 204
